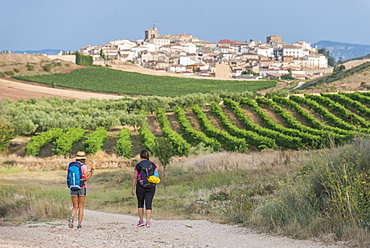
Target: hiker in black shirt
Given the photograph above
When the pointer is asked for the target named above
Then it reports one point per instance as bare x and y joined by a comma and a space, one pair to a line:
144, 193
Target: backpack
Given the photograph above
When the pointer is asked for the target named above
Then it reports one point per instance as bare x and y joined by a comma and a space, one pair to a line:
146, 170
75, 180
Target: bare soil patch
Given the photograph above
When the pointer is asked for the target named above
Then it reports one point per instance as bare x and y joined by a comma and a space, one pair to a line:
274, 116
154, 125
213, 119
253, 116
174, 122
233, 118
14, 91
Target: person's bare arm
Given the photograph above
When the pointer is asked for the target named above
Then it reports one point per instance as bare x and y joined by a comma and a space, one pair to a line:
89, 174
134, 180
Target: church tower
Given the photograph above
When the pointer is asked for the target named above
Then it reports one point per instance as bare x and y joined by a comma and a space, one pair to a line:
150, 34
274, 38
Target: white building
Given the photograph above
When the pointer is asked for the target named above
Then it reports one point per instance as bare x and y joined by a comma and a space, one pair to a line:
161, 41
305, 45
265, 51
123, 42
176, 68
267, 72
316, 61
189, 59
294, 51
189, 48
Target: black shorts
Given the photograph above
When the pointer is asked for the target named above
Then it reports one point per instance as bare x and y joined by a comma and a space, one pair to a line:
145, 196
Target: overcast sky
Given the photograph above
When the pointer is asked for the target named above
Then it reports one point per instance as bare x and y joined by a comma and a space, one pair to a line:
72, 24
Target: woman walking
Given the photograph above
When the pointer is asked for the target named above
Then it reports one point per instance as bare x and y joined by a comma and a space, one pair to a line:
144, 193
78, 196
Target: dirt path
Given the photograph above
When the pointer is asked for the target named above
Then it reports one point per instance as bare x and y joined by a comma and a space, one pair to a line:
116, 230
15, 90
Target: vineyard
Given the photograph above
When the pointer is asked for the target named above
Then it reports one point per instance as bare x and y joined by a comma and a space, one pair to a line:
309, 122
101, 79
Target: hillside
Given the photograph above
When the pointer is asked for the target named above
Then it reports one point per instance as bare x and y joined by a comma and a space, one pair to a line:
28, 65
346, 51
355, 77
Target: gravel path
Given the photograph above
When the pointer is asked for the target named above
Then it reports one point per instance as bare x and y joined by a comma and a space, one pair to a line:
116, 230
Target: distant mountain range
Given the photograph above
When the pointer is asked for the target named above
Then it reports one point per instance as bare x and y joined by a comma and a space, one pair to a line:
43, 51
346, 51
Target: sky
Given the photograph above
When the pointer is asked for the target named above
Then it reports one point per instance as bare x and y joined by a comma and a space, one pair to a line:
69, 25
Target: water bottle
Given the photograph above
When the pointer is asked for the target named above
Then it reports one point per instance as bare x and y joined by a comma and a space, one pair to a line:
141, 181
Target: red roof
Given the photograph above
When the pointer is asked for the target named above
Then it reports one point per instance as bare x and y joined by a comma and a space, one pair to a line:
225, 41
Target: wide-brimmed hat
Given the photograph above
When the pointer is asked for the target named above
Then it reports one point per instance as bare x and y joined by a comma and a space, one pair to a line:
80, 155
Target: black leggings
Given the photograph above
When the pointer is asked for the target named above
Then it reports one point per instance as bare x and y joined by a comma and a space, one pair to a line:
146, 195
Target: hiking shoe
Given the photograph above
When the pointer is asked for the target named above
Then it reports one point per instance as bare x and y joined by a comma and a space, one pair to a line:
148, 224
79, 227
70, 223
140, 223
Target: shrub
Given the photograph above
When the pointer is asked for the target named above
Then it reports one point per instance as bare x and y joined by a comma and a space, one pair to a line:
83, 59
47, 67
331, 196
30, 67
6, 134
94, 141
271, 93
9, 73
124, 143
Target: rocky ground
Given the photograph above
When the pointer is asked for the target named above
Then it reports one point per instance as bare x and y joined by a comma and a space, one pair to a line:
116, 230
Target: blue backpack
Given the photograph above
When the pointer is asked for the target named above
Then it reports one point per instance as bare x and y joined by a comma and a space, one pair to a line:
74, 176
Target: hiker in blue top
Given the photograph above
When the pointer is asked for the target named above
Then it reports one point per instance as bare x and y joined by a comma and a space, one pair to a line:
78, 192
144, 190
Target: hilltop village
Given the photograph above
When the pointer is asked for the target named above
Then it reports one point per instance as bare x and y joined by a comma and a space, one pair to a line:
188, 55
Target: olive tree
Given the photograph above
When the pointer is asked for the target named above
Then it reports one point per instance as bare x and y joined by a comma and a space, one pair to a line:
163, 149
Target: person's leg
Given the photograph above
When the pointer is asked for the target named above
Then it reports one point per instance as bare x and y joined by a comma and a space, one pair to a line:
140, 204
148, 215
81, 206
73, 211
140, 212
74, 205
148, 203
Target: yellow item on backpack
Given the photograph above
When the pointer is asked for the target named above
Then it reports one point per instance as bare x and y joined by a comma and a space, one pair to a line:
154, 179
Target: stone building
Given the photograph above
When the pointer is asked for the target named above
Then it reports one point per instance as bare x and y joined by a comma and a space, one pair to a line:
151, 34
274, 38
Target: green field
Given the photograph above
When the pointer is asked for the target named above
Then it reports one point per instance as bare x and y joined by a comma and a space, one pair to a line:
100, 79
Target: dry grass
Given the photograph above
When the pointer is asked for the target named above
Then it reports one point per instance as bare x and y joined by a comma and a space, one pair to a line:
205, 162
20, 64
228, 161
100, 160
